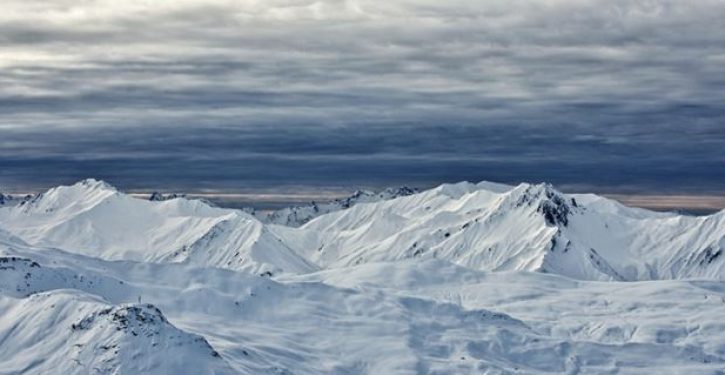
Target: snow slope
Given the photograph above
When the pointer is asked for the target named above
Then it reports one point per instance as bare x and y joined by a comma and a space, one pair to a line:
464, 278
74, 333
669, 313
298, 215
58, 319
93, 218
483, 226
525, 227
409, 317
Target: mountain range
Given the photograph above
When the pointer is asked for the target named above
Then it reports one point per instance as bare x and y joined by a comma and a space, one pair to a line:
461, 278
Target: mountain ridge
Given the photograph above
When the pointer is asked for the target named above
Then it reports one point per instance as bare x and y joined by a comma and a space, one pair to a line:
485, 226
462, 278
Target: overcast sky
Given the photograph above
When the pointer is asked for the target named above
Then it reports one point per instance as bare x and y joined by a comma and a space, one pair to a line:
619, 96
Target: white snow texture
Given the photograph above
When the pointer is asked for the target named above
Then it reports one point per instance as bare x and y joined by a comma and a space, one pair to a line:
460, 279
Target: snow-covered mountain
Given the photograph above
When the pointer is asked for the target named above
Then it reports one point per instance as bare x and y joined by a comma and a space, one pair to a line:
96, 281
93, 218
68, 313
11, 200
483, 226
158, 197
80, 334
296, 216
522, 228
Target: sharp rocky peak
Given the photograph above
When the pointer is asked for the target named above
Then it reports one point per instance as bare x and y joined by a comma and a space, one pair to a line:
385, 194
5, 198
158, 197
402, 191
552, 204
13, 200
125, 317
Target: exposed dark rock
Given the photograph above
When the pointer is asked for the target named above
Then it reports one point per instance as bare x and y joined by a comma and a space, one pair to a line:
709, 255
555, 207
158, 197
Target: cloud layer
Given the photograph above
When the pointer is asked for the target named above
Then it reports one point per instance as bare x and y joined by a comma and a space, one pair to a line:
620, 95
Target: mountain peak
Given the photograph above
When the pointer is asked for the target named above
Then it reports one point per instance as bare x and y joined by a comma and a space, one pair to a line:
298, 215
93, 184
158, 197
126, 317
135, 338
551, 203
84, 193
4, 199
402, 191
455, 190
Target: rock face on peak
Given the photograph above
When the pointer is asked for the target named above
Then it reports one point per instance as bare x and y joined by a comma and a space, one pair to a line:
553, 205
82, 336
158, 197
139, 339
8, 200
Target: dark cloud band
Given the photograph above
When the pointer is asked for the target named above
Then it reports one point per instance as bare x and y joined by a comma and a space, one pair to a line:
619, 95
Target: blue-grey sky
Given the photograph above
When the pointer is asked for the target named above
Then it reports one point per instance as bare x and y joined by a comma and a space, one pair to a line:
611, 95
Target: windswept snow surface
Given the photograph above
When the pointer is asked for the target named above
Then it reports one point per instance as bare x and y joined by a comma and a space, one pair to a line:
464, 278
93, 218
523, 228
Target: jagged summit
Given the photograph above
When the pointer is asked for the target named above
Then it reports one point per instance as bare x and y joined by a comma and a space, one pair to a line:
5, 198
401, 191
159, 197
81, 335
366, 196
551, 203
299, 215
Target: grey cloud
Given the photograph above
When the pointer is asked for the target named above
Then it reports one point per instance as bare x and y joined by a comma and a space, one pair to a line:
609, 93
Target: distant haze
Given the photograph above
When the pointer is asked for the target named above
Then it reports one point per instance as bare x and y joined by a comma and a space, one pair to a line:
273, 199
692, 204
